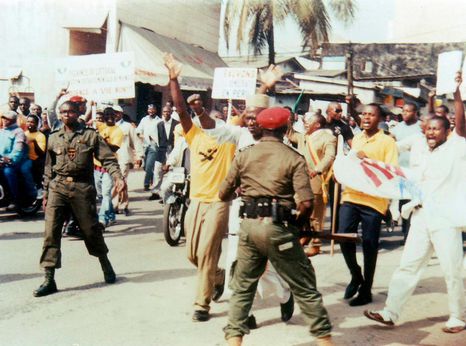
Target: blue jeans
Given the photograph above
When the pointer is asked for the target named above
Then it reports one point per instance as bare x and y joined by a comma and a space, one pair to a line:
350, 216
11, 174
106, 211
149, 161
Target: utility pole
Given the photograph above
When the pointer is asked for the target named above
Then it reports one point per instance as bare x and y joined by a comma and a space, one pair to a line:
349, 73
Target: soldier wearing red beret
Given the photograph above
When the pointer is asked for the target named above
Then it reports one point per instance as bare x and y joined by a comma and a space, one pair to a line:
274, 182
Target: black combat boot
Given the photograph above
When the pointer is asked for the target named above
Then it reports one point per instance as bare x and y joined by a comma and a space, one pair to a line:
49, 286
109, 274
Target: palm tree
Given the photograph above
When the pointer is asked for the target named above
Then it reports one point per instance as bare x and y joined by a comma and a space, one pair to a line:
311, 16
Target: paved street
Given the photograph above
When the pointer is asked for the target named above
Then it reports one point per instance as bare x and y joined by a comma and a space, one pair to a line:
151, 303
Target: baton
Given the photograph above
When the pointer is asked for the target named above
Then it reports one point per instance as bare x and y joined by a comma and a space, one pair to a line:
339, 237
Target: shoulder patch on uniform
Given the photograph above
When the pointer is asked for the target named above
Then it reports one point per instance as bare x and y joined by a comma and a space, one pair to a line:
245, 148
293, 149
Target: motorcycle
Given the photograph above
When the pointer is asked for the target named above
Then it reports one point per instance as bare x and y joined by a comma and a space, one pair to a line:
176, 205
25, 206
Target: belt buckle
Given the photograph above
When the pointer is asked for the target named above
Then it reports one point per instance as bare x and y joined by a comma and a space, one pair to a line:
69, 179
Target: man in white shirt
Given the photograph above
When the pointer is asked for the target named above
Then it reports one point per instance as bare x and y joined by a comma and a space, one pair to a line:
436, 222
147, 129
130, 152
410, 126
166, 142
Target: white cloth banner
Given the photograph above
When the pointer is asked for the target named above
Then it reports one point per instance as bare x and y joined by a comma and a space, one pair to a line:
375, 178
98, 77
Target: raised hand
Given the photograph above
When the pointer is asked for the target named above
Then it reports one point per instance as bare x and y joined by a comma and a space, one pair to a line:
271, 76
173, 66
458, 79
64, 91
432, 93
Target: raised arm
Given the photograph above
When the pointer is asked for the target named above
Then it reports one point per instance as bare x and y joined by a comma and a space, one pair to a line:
430, 102
269, 78
52, 116
459, 107
174, 70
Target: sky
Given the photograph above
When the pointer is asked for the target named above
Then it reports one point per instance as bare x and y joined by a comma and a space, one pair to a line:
379, 21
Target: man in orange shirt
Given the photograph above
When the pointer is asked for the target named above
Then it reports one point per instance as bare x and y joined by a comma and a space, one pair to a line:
37, 143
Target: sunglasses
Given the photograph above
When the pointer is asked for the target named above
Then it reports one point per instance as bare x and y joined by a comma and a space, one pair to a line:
338, 110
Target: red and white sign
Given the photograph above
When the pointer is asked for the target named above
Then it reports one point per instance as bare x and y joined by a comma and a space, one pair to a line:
374, 177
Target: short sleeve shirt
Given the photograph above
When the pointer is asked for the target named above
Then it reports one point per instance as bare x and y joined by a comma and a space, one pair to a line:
380, 147
210, 162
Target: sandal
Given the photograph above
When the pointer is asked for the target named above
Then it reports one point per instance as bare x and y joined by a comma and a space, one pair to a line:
453, 330
372, 315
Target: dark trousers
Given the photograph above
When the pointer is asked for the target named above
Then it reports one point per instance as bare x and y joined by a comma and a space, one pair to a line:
262, 240
331, 199
149, 161
38, 171
350, 216
78, 197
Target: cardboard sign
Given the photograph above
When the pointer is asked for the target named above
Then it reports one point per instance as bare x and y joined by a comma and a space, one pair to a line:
234, 83
98, 76
448, 64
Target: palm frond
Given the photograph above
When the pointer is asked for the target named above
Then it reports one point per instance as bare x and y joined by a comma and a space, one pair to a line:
313, 21
344, 10
258, 31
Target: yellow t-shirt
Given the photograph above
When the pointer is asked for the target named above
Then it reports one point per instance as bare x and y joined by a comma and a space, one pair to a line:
380, 147
210, 163
112, 135
41, 141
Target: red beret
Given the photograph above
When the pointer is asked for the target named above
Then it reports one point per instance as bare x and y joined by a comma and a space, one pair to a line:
273, 118
78, 99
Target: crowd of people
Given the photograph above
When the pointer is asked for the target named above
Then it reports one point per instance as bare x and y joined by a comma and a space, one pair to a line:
262, 176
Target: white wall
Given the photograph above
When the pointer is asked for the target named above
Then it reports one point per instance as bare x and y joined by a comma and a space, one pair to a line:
190, 21
33, 35
33, 32
30, 37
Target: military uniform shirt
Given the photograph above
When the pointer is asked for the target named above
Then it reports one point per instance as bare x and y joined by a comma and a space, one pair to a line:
71, 154
269, 169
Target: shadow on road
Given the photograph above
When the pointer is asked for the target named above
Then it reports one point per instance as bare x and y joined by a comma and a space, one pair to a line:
5, 278
156, 275
21, 235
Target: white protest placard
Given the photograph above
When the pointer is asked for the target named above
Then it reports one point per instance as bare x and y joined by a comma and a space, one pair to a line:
463, 75
98, 76
448, 64
234, 83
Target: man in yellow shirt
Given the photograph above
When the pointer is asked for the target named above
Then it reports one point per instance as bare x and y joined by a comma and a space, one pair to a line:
358, 207
37, 143
206, 220
113, 136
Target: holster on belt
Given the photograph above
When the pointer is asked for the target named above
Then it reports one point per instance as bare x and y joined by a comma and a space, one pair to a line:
265, 207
